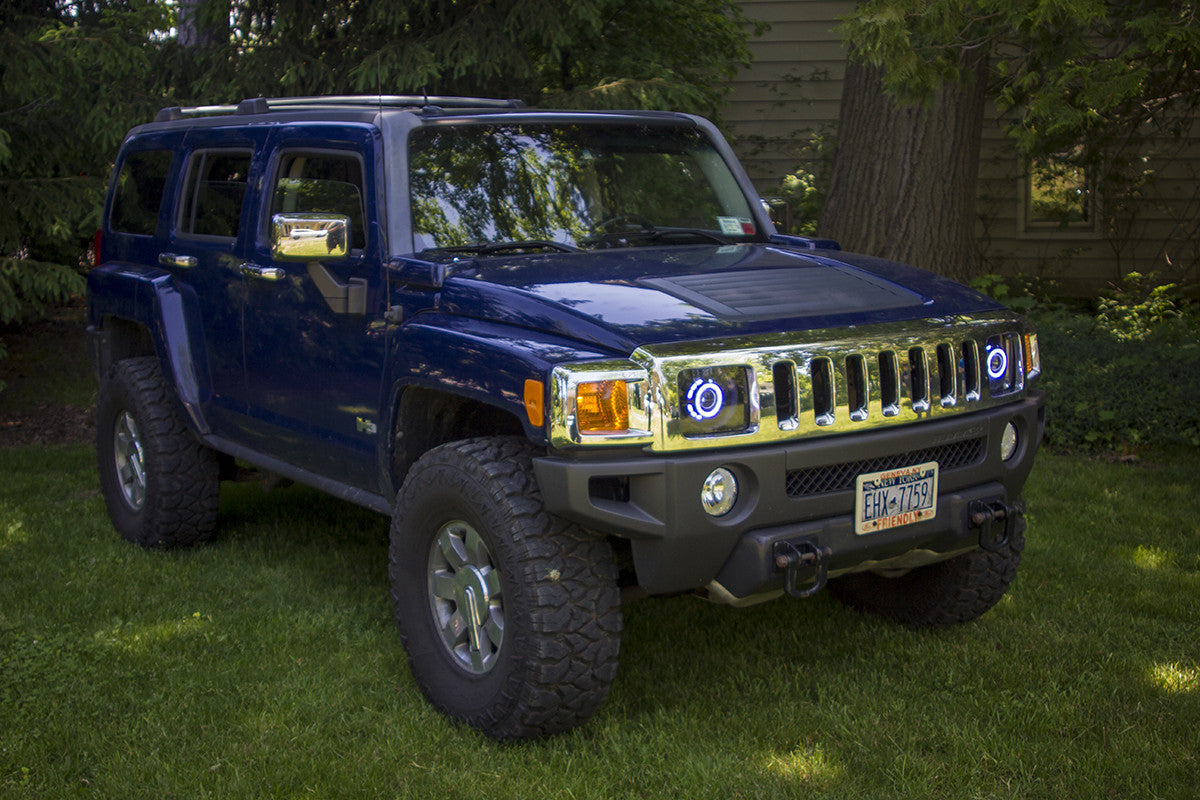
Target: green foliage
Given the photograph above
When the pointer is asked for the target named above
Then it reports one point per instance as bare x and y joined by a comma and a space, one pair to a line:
590, 54
28, 286
803, 190
1071, 71
1141, 308
804, 194
1123, 376
75, 77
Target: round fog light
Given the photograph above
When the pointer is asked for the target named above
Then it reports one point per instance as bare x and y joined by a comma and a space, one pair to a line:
1008, 442
719, 492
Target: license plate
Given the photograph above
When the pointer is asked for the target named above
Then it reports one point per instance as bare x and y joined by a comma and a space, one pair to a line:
895, 497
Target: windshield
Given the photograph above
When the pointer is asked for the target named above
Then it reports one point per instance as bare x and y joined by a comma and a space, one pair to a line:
492, 188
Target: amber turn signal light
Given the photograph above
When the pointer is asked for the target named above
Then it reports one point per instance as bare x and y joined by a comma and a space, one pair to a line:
1033, 358
535, 404
602, 407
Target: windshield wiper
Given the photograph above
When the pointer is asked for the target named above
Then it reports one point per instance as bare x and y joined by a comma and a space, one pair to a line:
650, 235
491, 248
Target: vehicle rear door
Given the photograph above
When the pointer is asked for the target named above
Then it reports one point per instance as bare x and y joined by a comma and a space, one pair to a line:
206, 244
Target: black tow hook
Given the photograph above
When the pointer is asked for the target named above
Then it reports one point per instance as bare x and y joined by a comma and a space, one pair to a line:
790, 557
997, 521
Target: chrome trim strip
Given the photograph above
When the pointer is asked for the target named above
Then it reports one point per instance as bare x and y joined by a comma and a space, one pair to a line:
564, 388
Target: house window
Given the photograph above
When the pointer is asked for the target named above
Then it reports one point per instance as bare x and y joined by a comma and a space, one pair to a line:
1058, 197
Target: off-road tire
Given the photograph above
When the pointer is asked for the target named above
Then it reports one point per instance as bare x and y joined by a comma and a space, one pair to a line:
558, 605
936, 595
170, 499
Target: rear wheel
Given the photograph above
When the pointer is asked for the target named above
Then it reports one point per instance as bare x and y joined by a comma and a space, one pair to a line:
160, 484
946, 593
510, 617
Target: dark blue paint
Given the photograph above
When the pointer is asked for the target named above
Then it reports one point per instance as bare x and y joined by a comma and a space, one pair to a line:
595, 297
267, 372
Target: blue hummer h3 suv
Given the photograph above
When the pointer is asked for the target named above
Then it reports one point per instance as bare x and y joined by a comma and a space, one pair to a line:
568, 355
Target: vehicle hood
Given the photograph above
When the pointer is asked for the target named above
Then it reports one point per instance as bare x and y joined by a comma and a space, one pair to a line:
620, 299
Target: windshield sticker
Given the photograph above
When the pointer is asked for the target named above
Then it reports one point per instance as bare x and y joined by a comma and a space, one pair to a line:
730, 226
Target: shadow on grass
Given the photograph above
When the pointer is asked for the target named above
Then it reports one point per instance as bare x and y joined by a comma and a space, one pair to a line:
266, 664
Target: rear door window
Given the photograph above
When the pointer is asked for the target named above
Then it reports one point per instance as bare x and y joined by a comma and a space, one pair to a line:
139, 192
213, 193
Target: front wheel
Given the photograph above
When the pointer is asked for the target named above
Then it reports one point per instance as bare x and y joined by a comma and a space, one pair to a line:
510, 617
945, 593
161, 485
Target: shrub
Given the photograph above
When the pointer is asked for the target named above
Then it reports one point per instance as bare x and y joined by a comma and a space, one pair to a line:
1125, 375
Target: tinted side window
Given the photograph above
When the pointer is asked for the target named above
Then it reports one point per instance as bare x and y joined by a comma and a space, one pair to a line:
322, 183
213, 194
139, 192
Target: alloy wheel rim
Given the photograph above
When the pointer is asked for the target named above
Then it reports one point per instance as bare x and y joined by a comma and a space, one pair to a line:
129, 456
465, 597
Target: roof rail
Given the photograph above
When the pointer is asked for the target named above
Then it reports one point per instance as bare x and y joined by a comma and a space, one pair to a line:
262, 105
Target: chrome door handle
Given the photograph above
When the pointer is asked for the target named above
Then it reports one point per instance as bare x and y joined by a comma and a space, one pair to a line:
262, 273
173, 260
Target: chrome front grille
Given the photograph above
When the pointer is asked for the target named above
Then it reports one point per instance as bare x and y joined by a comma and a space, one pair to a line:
855, 386
819, 383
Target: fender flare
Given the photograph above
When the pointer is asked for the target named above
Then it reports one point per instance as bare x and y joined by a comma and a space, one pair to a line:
169, 314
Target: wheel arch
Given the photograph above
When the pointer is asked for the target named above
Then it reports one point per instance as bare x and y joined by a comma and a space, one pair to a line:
455, 378
137, 311
425, 417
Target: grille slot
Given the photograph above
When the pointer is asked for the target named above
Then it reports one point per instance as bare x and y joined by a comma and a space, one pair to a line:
857, 391
971, 375
783, 374
824, 401
840, 477
918, 366
889, 383
947, 375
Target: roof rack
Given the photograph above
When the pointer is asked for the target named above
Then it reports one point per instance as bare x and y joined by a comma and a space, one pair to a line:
262, 105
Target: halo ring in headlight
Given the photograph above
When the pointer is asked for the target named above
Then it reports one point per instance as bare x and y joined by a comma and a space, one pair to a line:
997, 363
704, 399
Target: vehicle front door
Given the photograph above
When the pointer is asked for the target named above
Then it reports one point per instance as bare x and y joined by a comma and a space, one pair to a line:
313, 330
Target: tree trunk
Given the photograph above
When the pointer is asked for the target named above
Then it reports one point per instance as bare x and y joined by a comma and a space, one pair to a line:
197, 26
904, 177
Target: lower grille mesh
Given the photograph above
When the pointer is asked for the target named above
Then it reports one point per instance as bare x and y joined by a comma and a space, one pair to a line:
840, 477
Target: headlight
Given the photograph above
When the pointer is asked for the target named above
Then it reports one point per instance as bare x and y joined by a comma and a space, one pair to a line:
1001, 364
714, 400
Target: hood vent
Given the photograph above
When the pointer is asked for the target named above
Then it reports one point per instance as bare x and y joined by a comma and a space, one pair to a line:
799, 292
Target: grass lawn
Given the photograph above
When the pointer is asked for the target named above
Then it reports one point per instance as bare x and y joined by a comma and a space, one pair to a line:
266, 665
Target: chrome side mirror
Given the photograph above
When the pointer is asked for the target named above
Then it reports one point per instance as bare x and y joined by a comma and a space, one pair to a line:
310, 237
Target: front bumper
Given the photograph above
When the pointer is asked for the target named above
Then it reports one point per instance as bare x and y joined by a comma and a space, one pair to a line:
797, 490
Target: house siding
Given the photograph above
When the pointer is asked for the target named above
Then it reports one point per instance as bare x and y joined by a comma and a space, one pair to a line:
791, 93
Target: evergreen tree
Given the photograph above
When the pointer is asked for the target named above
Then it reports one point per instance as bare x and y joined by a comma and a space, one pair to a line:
76, 74
72, 78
